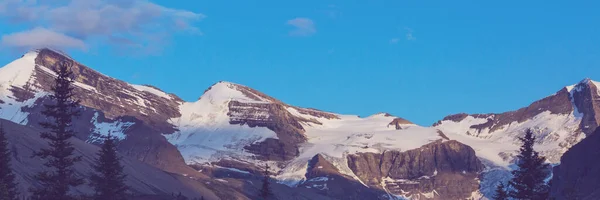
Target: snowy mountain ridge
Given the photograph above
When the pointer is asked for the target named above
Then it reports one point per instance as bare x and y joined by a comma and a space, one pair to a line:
232, 126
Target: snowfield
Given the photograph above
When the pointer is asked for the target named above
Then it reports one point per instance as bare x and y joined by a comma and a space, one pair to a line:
205, 134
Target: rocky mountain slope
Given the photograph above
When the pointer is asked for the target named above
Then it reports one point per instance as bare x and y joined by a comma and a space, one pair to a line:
232, 131
142, 178
559, 121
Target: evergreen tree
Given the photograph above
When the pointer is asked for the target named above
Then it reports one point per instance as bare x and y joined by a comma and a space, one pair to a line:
265, 191
528, 182
180, 197
59, 176
8, 186
109, 180
501, 193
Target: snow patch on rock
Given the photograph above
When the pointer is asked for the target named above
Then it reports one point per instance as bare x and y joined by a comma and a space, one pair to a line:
103, 129
151, 90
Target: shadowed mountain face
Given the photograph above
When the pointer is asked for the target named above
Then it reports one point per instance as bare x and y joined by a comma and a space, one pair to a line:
577, 175
218, 144
142, 178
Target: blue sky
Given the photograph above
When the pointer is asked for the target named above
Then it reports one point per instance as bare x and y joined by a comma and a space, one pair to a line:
414, 59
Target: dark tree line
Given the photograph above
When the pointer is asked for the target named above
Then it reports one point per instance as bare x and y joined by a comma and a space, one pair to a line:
8, 186
529, 179
182, 197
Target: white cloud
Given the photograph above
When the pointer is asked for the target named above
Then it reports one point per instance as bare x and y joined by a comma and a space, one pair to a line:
41, 37
394, 40
302, 27
139, 22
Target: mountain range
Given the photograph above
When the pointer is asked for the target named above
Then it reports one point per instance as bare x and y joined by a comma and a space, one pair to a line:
217, 146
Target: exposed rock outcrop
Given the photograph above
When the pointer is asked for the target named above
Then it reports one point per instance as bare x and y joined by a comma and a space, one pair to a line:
324, 178
275, 117
273, 114
398, 122
586, 98
440, 170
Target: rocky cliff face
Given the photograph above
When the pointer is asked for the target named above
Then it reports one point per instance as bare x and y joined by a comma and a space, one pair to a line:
325, 178
268, 112
440, 170
577, 175
586, 97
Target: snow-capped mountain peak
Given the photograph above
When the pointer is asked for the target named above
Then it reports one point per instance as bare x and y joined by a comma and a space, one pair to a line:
583, 84
227, 91
18, 72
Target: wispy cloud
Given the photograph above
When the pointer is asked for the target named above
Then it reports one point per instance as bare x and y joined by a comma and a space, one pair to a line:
41, 37
139, 22
332, 11
302, 27
409, 34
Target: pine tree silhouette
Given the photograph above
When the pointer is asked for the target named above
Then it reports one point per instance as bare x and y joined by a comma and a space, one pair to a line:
528, 182
265, 191
59, 176
501, 193
109, 180
181, 197
8, 186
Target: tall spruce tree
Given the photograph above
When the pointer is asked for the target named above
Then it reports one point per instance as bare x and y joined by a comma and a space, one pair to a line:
109, 180
8, 186
501, 193
59, 176
528, 182
265, 191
